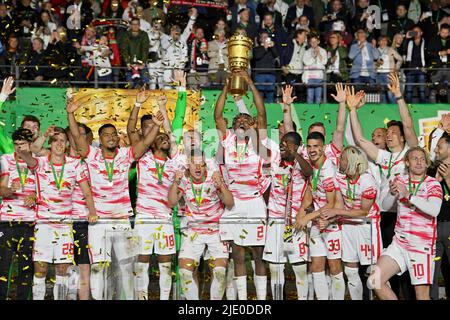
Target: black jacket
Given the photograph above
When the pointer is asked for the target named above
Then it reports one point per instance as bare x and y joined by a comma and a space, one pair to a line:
292, 15
435, 45
265, 59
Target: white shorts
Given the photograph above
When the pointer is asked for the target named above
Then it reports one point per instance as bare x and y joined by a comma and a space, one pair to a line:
326, 244
53, 243
361, 243
419, 265
245, 223
195, 245
155, 237
277, 251
102, 236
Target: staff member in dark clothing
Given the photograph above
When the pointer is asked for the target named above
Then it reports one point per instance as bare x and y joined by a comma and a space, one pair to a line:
441, 170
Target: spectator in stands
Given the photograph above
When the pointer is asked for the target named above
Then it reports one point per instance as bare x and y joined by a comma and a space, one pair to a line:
389, 61
337, 12
152, 12
363, 55
12, 56
294, 69
131, 10
397, 44
61, 56
430, 22
282, 7
85, 50
277, 35
55, 17
134, 48
244, 23
199, 60
155, 69
337, 56
266, 60
78, 15
235, 17
268, 6
319, 11
294, 13
145, 26
99, 60
36, 61
361, 15
415, 10
8, 25
175, 50
304, 24
115, 59
314, 62
26, 18
401, 24
346, 36
439, 58
96, 7
114, 10
221, 24
415, 49
218, 55
44, 28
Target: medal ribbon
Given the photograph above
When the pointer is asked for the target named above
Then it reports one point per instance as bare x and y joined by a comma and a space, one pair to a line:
316, 177
240, 155
159, 171
415, 189
350, 193
446, 192
22, 177
197, 193
109, 169
58, 180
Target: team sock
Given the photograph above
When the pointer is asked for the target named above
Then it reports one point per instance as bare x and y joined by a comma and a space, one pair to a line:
126, 270
261, 287
165, 280
231, 291
355, 286
97, 281
301, 281
141, 280
60, 288
218, 283
338, 286
38, 288
276, 278
310, 286
188, 284
241, 285
320, 285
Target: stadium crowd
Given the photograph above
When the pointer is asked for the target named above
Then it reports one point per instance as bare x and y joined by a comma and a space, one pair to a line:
305, 43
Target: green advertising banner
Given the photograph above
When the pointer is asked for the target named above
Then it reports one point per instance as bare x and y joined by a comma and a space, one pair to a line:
48, 104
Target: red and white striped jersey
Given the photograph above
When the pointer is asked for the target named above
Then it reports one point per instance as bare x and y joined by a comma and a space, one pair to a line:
80, 210
204, 210
14, 209
152, 195
243, 169
51, 202
112, 199
181, 160
414, 230
280, 179
354, 191
391, 163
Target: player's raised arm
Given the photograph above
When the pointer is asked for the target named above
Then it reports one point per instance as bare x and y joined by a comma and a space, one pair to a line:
6, 144
221, 124
80, 141
175, 194
37, 147
259, 103
224, 194
141, 147
141, 97
405, 115
338, 134
353, 100
180, 108
288, 123
31, 162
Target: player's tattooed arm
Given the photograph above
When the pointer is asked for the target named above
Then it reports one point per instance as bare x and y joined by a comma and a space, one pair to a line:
405, 115
80, 141
224, 194
5, 190
301, 220
339, 210
174, 193
86, 189
141, 147
221, 124
288, 123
